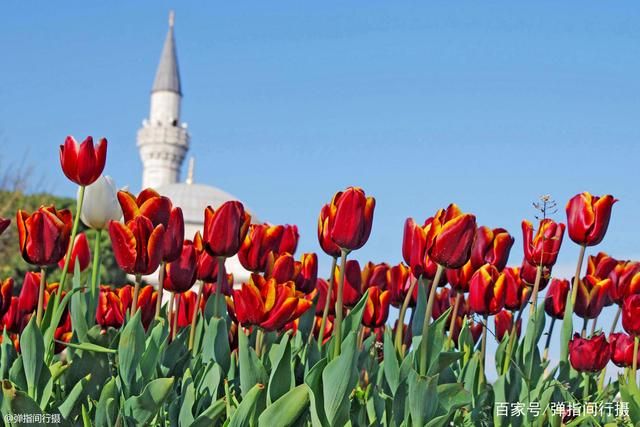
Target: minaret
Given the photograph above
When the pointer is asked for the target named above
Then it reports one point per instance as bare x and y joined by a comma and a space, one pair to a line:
163, 141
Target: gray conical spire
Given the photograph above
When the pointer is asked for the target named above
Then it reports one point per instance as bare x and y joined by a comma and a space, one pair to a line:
168, 76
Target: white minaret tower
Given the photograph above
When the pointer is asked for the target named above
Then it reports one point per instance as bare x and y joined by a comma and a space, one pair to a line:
163, 141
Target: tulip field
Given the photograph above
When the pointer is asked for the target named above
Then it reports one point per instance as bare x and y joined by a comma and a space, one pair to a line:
297, 347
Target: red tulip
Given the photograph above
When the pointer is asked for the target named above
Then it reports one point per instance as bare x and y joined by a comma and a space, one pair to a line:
591, 297
625, 279
474, 327
542, 249
44, 235
556, 299
186, 308
375, 275
414, 246
28, 299
4, 223
487, 291
351, 226
225, 229
588, 217
504, 323
180, 275
110, 311
268, 304
450, 234
517, 292
459, 278
601, 265
12, 319
621, 349
352, 290
491, 247
282, 268
6, 290
322, 287
589, 354
328, 328
137, 245
147, 299
528, 274
441, 303
263, 239
376, 309
631, 314
207, 270
209, 289
173, 236
306, 275
83, 163
79, 252
149, 203
399, 280
325, 224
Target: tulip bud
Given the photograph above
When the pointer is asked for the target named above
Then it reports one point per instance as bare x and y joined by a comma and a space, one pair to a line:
504, 323
528, 274
588, 217
487, 290
322, 287
459, 278
353, 218
306, 274
631, 315
100, 205
543, 248
110, 311
516, 291
399, 279
601, 265
352, 290
621, 349
4, 223
450, 234
376, 309
591, 297
82, 163
225, 229
173, 236
414, 246
180, 274
6, 290
28, 299
137, 245
589, 354
491, 247
44, 235
325, 224
264, 239
375, 275
556, 299
625, 279
80, 252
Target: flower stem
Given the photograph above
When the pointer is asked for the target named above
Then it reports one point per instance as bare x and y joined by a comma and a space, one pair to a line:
192, 331
567, 322
454, 314
545, 354
95, 265
513, 334
43, 282
584, 327
72, 238
427, 321
534, 294
174, 330
221, 278
161, 274
483, 349
327, 302
399, 338
259, 342
634, 365
615, 320
337, 326
136, 292
587, 380
593, 326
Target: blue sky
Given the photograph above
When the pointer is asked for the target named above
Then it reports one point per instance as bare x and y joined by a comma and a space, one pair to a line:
488, 105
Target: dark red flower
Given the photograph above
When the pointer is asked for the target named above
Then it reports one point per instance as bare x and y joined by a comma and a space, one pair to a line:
589, 354
399, 279
83, 163
264, 239
459, 278
137, 245
180, 274
487, 290
375, 275
504, 323
352, 290
4, 223
528, 274
325, 224
625, 279
376, 309
173, 236
225, 229
517, 292
110, 311
631, 314
147, 298
556, 299
6, 291
450, 234
44, 235
588, 217
591, 297
79, 252
353, 219
621, 349
542, 249
491, 247
149, 203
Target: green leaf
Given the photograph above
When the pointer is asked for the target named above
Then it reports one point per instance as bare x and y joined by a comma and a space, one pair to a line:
15, 402
50, 327
78, 311
338, 380
252, 371
188, 395
391, 366
419, 310
8, 354
423, 398
130, 348
443, 360
251, 405
106, 413
73, 397
281, 379
353, 320
141, 409
87, 346
567, 328
313, 380
32, 347
285, 411
211, 415
216, 344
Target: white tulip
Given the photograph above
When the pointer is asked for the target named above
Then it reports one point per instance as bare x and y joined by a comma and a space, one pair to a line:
100, 204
